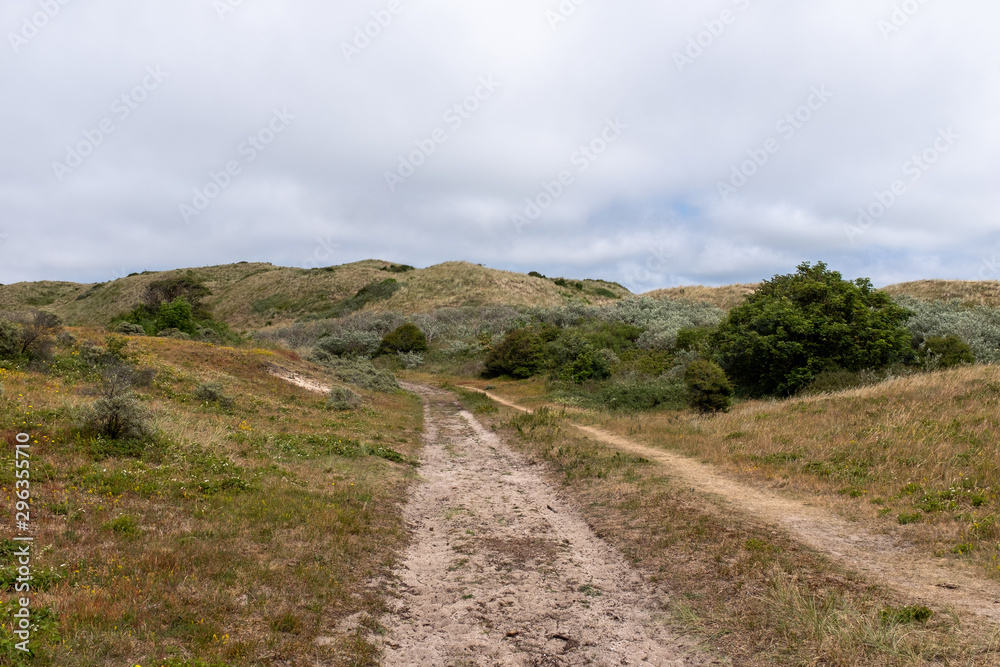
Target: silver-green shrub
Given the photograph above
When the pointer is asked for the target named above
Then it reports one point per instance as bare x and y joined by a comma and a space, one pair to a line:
979, 326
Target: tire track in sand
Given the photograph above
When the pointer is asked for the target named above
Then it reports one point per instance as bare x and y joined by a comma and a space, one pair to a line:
501, 571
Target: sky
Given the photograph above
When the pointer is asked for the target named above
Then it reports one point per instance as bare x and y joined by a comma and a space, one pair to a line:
653, 144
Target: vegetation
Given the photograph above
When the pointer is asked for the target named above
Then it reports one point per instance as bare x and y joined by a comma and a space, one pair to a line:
795, 326
174, 549
406, 338
709, 390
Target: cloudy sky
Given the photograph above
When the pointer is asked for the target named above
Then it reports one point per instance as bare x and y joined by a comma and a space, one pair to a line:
646, 142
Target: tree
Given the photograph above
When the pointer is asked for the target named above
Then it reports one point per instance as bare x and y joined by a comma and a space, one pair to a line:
10, 339
520, 355
797, 325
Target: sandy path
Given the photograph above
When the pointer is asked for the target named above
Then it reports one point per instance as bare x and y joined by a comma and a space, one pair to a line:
501, 571
883, 558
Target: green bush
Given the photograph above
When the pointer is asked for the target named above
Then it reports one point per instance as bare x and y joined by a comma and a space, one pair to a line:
406, 338
177, 314
520, 354
117, 414
398, 268
129, 329
693, 339
709, 390
535, 274
797, 325
10, 339
945, 351
342, 398
347, 344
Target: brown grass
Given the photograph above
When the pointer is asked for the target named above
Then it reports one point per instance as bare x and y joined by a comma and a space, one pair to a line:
980, 293
756, 595
725, 297
252, 541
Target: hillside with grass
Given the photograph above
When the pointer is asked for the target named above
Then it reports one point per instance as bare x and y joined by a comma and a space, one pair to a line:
249, 296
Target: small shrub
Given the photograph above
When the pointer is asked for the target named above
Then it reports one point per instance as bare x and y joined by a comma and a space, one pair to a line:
410, 360
124, 526
10, 339
129, 329
906, 518
211, 392
709, 390
398, 268
362, 373
348, 344
406, 338
342, 398
287, 623
535, 274
520, 354
117, 414
909, 614
945, 352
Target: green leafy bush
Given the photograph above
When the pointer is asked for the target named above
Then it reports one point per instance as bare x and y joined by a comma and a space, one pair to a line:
177, 314
709, 390
520, 354
797, 325
371, 293
945, 351
535, 274
398, 268
342, 398
406, 338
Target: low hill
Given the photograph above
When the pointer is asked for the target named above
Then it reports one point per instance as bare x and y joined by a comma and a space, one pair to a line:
253, 295
970, 292
725, 297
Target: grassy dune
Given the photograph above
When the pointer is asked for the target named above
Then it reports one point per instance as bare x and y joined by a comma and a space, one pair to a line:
242, 535
251, 296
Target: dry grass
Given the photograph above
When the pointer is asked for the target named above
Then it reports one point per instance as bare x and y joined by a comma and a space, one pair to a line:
251, 296
756, 595
980, 293
241, 538
725, 297
920, 451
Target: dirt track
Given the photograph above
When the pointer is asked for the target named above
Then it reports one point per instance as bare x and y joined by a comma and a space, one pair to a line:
882, 558
502, 572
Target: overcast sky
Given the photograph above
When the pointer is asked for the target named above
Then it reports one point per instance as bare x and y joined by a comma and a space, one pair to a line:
649, 143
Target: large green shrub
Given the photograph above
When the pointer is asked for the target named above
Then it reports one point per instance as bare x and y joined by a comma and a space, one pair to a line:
709, 390
520, 354
636, 396
177, 314
362, 373
406, 338
795, 326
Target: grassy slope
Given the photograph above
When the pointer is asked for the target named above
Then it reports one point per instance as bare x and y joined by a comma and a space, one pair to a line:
237, 538
247, 296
